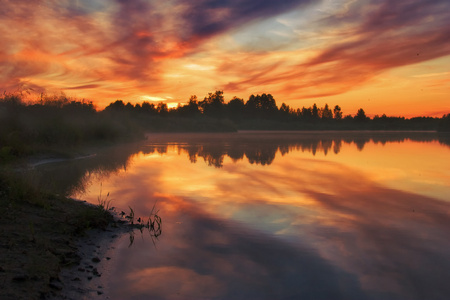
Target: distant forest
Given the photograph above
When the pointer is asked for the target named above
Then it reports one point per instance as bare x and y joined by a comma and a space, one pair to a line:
65, 122
260, 112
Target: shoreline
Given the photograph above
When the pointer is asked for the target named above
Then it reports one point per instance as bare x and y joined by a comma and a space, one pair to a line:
89, 278
44, 234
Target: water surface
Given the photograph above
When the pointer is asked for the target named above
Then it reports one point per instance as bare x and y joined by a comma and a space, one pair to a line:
277, 215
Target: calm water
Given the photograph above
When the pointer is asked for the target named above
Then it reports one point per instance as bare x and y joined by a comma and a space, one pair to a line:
277, 215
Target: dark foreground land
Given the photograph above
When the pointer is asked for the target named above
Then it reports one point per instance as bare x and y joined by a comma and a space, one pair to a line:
38, 235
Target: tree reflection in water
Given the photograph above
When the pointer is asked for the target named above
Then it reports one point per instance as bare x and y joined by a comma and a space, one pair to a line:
73, 176
261, 147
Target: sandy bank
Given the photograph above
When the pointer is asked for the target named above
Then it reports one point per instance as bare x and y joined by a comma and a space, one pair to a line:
40, 235
88, 279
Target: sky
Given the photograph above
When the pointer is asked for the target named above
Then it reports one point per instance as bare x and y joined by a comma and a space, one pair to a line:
384, 56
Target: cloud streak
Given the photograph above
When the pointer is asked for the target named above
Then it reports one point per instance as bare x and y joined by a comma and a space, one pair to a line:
387, 36
128, 47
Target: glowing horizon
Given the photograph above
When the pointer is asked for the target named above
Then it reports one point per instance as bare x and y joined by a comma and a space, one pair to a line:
384, 57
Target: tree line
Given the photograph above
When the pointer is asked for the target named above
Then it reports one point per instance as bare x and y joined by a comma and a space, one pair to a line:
262, 112
68, 122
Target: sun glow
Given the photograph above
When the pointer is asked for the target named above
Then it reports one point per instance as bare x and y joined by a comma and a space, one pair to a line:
153, 98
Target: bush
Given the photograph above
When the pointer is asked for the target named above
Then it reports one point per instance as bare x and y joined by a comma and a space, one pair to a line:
444, 124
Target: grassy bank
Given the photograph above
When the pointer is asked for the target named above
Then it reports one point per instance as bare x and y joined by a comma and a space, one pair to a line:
57, 124
38, 234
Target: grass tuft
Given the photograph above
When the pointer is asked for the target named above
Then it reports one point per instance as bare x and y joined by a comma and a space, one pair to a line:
103, 202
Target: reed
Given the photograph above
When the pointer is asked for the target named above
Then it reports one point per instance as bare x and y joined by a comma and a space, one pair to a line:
103, 202
153, 224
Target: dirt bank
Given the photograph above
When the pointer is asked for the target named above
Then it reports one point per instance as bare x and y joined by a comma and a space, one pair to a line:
88, 279
40, 235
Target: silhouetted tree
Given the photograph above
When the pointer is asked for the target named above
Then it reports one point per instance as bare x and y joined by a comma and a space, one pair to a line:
54, 100
326, 113
129, 107
360, 115
236, 108
261, 106
337, 113
267, 104
149, 108
285, 110
444, 124
191, 109
251, 106
307, 113
315, 112
213, 105
162, 109
79, 107
118, 105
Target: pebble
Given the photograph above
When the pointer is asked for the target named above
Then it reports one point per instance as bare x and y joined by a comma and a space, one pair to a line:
20, 277
96, 273
56, 285
96, 259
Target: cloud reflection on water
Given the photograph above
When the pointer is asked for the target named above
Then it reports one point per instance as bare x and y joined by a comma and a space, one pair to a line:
240, 262
301, 228
283, 216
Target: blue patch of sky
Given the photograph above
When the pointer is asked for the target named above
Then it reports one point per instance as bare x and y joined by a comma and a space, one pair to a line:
282, 32
84, 7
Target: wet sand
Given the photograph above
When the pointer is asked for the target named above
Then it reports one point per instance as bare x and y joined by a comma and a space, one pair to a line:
88, 279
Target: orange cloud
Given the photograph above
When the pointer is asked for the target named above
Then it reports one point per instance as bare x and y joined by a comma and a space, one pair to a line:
293, 49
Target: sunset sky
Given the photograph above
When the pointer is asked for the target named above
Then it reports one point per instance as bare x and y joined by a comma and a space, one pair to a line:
385, 56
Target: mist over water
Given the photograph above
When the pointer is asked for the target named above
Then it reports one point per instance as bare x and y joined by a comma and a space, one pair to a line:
280, 215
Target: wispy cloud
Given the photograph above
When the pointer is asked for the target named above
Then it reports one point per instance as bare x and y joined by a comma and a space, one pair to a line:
377, 37
300, 48
432, 75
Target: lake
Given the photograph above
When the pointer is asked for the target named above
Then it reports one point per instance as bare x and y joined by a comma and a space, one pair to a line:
275, 215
